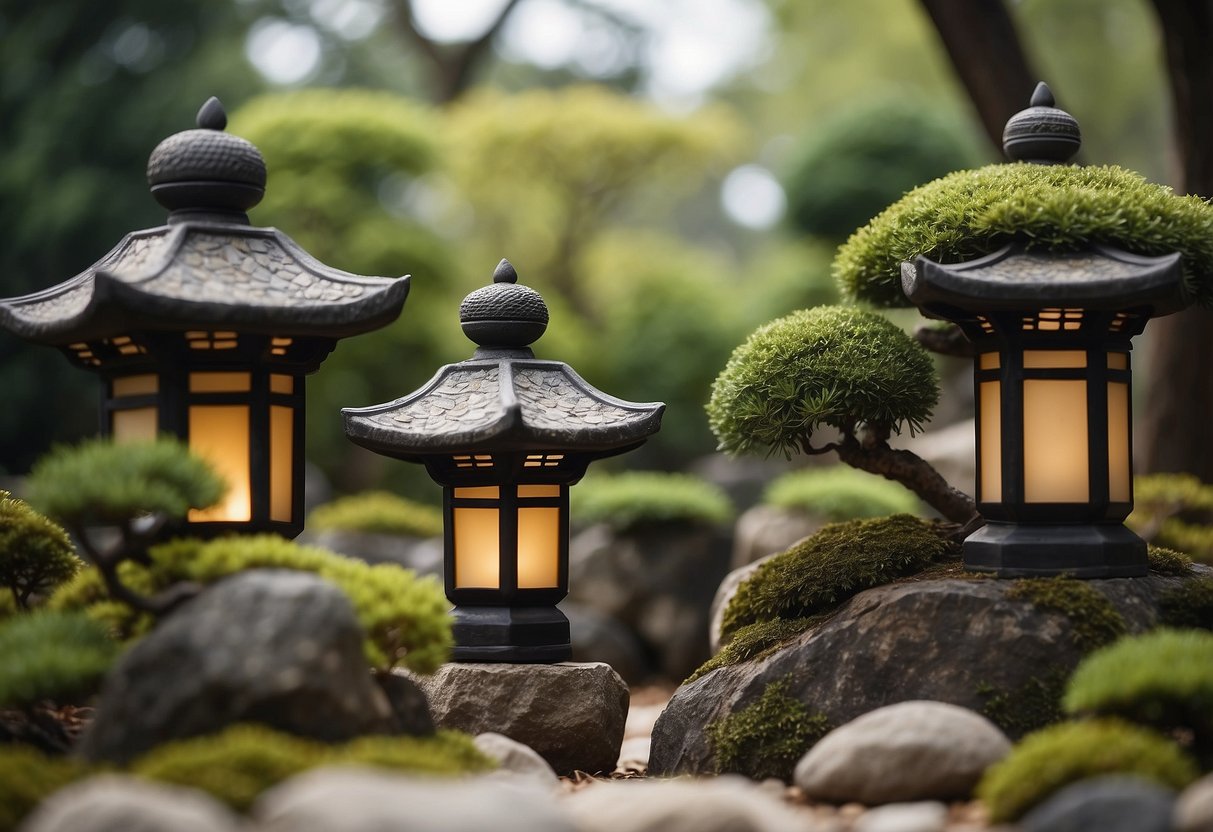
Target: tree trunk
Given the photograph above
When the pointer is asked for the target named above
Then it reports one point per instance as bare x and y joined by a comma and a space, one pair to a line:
1178, 421
906, 467
989, 59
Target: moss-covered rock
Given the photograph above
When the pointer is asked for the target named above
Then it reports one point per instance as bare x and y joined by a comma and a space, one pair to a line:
404, 617
768, 737
240, 763
840, 492
754, 641
1163, 678
36, 554
1052, 207
1046, 761
52, 655
830, 366
1028, 707
27, 777
377, 512
833, 565
638, 498
1168, 562
1188, 605
1095, 622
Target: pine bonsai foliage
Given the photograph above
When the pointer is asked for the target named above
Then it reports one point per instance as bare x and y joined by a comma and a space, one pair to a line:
1046, 761
838, 562
377, 512
767, 737
839, 492
52, 655
35, 553
404, 617
1162, 678
1174, 510
975, 212
636, 498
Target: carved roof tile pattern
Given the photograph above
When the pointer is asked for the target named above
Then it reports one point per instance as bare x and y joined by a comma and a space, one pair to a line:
465, 401
550, 402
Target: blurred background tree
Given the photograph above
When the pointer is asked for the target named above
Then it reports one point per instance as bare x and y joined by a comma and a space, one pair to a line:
647, 208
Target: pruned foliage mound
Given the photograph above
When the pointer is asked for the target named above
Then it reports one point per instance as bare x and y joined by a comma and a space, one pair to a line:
1053, 207
35, 554
840, 492
52, 655
637, 498
829, 366
377, 512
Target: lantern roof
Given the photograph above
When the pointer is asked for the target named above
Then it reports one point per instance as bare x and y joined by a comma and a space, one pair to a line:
1015, 277
503, 398
207, 267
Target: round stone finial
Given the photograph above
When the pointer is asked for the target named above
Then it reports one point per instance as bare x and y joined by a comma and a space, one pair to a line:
1042, 134
205, 170
504, 314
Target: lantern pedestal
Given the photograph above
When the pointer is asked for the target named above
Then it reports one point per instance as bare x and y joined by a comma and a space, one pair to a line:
510, 634
1012, 550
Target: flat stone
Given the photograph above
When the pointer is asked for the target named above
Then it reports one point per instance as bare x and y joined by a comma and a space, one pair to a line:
352, 799
571, 713
1114, 803
961, 641
278, 647
118, 803
724, 804
514, 757
929, 816
1194, 809
904, 752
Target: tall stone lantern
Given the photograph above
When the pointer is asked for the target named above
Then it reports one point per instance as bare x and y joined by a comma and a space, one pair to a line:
205, 327
505, 434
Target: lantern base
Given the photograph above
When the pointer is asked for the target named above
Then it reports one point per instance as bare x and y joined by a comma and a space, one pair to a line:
1013, 550
511, 634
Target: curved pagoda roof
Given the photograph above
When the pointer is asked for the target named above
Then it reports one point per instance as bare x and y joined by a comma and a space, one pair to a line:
503, 399
207, 268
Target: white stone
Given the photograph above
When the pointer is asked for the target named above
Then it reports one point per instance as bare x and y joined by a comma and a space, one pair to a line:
904, 817
514, 756
634, 753
726, 804
117, 803
1194, 808
916, 750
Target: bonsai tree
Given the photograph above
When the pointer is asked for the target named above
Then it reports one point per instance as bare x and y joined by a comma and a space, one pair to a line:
836, 368
136, 489
35, 554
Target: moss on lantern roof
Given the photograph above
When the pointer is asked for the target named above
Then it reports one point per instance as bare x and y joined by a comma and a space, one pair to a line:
1053, 207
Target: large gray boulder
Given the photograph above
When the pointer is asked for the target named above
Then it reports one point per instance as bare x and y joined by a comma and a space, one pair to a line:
118, 803
658, 581
571, 713
962, 641
278, 647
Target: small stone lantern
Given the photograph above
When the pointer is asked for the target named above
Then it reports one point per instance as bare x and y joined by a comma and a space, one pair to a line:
1051, 337
204, 328
505, 434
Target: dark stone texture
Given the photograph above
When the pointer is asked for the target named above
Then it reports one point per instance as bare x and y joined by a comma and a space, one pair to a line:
1108, 804
277, 647
959, 641
410, 708
571, 714
598, 637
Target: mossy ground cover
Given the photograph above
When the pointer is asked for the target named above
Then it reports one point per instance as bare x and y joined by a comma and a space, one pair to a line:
636, 499
1188, 605
377, 512
767, 737
1094, 622
27, 776
755, 641
840, 492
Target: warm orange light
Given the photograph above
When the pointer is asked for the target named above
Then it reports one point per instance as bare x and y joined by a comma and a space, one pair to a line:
138, 424
1120, 471
1049, 359
991, 442
1118, 361
477, 548
989, 361
145, 384
480, 492
220, 435
220, 382
281, 384
538, 547
539, 491
1055, 460
282, 436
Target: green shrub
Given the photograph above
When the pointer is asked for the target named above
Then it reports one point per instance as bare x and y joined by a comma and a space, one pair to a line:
636, 498
1174, 510
52, 655
238, 764
767, 737
753, 641
1053, 207
35, 554
100, 483
404, 617
1094, 622
828, 366
858, 162
27, 777
377, 512
1163, 679
1188, 605
838, 562
1048, 760
840, 493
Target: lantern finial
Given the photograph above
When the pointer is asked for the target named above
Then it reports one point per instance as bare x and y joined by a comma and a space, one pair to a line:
211, 115
1042, 134
504, 315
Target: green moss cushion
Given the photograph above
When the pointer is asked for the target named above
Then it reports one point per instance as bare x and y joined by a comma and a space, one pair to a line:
975, 212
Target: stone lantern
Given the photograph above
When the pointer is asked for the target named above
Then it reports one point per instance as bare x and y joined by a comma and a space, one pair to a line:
205, 327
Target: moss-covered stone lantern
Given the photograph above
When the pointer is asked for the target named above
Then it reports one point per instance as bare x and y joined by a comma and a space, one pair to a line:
205, 327
505, 434
1051, 334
